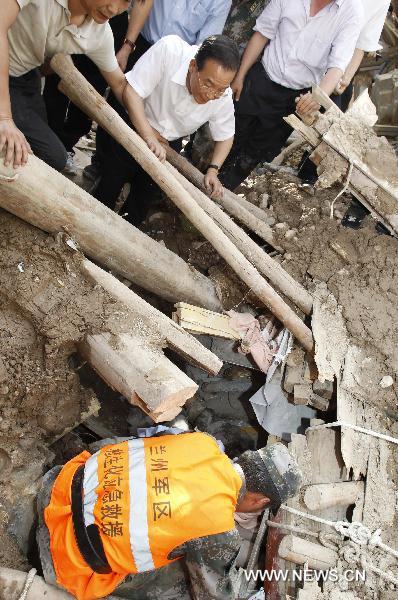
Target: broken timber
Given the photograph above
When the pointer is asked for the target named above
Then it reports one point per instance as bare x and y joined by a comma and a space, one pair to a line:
228, 201
45, 198
266, 265
199, 320
75, 86
374, 191
133, 362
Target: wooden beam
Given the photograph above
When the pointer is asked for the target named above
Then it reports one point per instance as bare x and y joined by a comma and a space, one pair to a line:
266, 265
228, 201
140, 372
45, 198
167, 332
80, 92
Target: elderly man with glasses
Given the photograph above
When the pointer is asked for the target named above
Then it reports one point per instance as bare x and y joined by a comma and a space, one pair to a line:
172, 90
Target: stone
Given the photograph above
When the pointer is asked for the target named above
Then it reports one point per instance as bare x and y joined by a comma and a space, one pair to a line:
386, 382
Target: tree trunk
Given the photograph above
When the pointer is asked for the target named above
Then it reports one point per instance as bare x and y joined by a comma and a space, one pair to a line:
140, 372
261, 260
80, 92
301, 551
167, 331
229, 201
43, 197
325, 495
12, 583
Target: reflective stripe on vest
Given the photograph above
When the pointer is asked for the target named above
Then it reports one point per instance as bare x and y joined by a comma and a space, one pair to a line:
147, 497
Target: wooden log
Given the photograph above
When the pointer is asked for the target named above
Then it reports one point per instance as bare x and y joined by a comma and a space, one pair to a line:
12, 583
84, 95
169, 333
301, 551
228, 201
286, 152
324, 495
43, 197
133, 367
266, 265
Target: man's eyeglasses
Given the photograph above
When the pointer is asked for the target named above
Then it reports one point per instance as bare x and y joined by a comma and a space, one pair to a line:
209, 90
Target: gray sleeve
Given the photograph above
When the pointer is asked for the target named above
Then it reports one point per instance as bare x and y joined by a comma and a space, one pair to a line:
209, 561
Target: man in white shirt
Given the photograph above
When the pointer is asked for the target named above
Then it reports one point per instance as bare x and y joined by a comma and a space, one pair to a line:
304, 42
375, 12
31, 32
172, 90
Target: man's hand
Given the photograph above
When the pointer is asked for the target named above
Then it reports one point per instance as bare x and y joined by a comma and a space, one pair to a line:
14, 142
122, 56
156, 147
306, 105
342, 85
237, 86
213, 184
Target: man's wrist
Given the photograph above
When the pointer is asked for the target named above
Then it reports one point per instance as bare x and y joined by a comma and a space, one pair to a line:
213, 167
130, 44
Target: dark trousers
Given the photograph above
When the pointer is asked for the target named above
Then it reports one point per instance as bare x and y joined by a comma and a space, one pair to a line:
260, 131
64, 118
104, 140
118, 168
29, 114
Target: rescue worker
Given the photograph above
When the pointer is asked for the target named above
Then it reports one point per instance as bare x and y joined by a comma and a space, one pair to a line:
173, 89
300, 43
31, 32
153, 517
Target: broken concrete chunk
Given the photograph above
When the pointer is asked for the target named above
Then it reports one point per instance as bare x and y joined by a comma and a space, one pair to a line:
323, 388
386, 382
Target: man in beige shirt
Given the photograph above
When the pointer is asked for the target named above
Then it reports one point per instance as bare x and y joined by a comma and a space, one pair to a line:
31, 33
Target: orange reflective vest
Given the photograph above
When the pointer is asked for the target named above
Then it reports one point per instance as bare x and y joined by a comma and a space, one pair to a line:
147, 496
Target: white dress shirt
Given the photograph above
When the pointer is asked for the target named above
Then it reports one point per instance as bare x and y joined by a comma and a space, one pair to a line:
192, 20
42, 28
303, 48
375, 12
159, 77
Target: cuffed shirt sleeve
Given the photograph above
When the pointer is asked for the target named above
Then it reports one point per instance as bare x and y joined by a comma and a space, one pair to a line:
268, 22
344, 44
369, 37
215, 22
222, 121
103, 55
147, 71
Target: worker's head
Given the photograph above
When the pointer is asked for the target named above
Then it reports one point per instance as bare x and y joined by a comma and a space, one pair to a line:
213, 68
103, 10
271, 477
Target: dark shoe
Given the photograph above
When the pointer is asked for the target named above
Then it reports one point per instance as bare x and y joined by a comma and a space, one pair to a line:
92, 172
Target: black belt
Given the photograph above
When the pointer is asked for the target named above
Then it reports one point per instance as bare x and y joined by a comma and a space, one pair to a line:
87, 538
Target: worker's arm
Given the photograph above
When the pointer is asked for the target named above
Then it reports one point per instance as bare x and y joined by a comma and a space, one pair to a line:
306, 105
253, 50
138, 15
209, 561
220, 153
350, 71
135, 107
11, 138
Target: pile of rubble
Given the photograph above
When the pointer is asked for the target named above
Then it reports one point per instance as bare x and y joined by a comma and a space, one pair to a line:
321, 299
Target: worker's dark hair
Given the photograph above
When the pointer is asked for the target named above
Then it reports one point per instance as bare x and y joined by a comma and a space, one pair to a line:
221, 49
